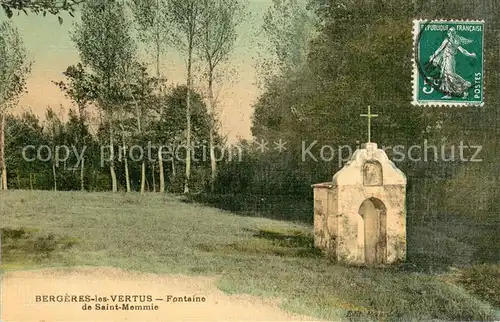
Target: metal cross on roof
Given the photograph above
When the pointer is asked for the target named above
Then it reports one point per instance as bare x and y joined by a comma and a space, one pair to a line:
369, 116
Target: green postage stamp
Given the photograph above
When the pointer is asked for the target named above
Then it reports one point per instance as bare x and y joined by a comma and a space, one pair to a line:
448, 63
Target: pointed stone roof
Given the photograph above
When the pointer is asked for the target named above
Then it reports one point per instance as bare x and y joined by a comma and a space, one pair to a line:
352, 172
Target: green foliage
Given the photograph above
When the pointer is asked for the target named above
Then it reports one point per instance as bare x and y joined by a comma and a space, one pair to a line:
14, 65
172, 124
185, 17
361, 55
80, 85
152, 21
370, 66
218, 30
289, 27
43, 7
153, 25
105, 45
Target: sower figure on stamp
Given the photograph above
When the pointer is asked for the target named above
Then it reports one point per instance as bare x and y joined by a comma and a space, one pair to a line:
450, 83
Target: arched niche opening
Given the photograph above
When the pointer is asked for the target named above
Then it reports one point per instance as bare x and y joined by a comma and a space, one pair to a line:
374, 214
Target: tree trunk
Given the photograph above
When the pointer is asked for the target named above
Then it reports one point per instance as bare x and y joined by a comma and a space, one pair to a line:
127, 175
213, 162
82, 174
158, 44
112, 151
211, 122
94, 175
161, 172
160, 157
54, 175
188, 118
125, 161
82, 133
138, 116
3, 167
153, 175
31, 181
143, 176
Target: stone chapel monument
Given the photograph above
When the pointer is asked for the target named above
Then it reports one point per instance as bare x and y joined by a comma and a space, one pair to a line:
360, 216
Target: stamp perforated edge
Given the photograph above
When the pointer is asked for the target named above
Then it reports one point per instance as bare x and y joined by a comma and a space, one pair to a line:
415, 30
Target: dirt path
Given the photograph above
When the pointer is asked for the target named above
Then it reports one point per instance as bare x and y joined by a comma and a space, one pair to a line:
20, 291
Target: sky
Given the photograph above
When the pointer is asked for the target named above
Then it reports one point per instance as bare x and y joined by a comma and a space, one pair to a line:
51, 50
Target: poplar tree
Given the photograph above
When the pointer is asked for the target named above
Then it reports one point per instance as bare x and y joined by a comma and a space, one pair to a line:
14, 68
105, 46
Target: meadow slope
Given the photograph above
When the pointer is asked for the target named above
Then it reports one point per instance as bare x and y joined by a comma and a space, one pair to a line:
161, 234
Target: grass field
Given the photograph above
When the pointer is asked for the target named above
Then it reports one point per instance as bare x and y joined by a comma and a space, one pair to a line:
269, 258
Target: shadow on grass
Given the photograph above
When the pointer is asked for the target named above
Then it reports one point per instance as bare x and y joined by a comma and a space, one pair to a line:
450, 241
483, 281
269, 242
432, 247
279, 207
27, 245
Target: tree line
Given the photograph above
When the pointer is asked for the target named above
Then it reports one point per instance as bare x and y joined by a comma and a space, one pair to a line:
111, 89
62, 153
